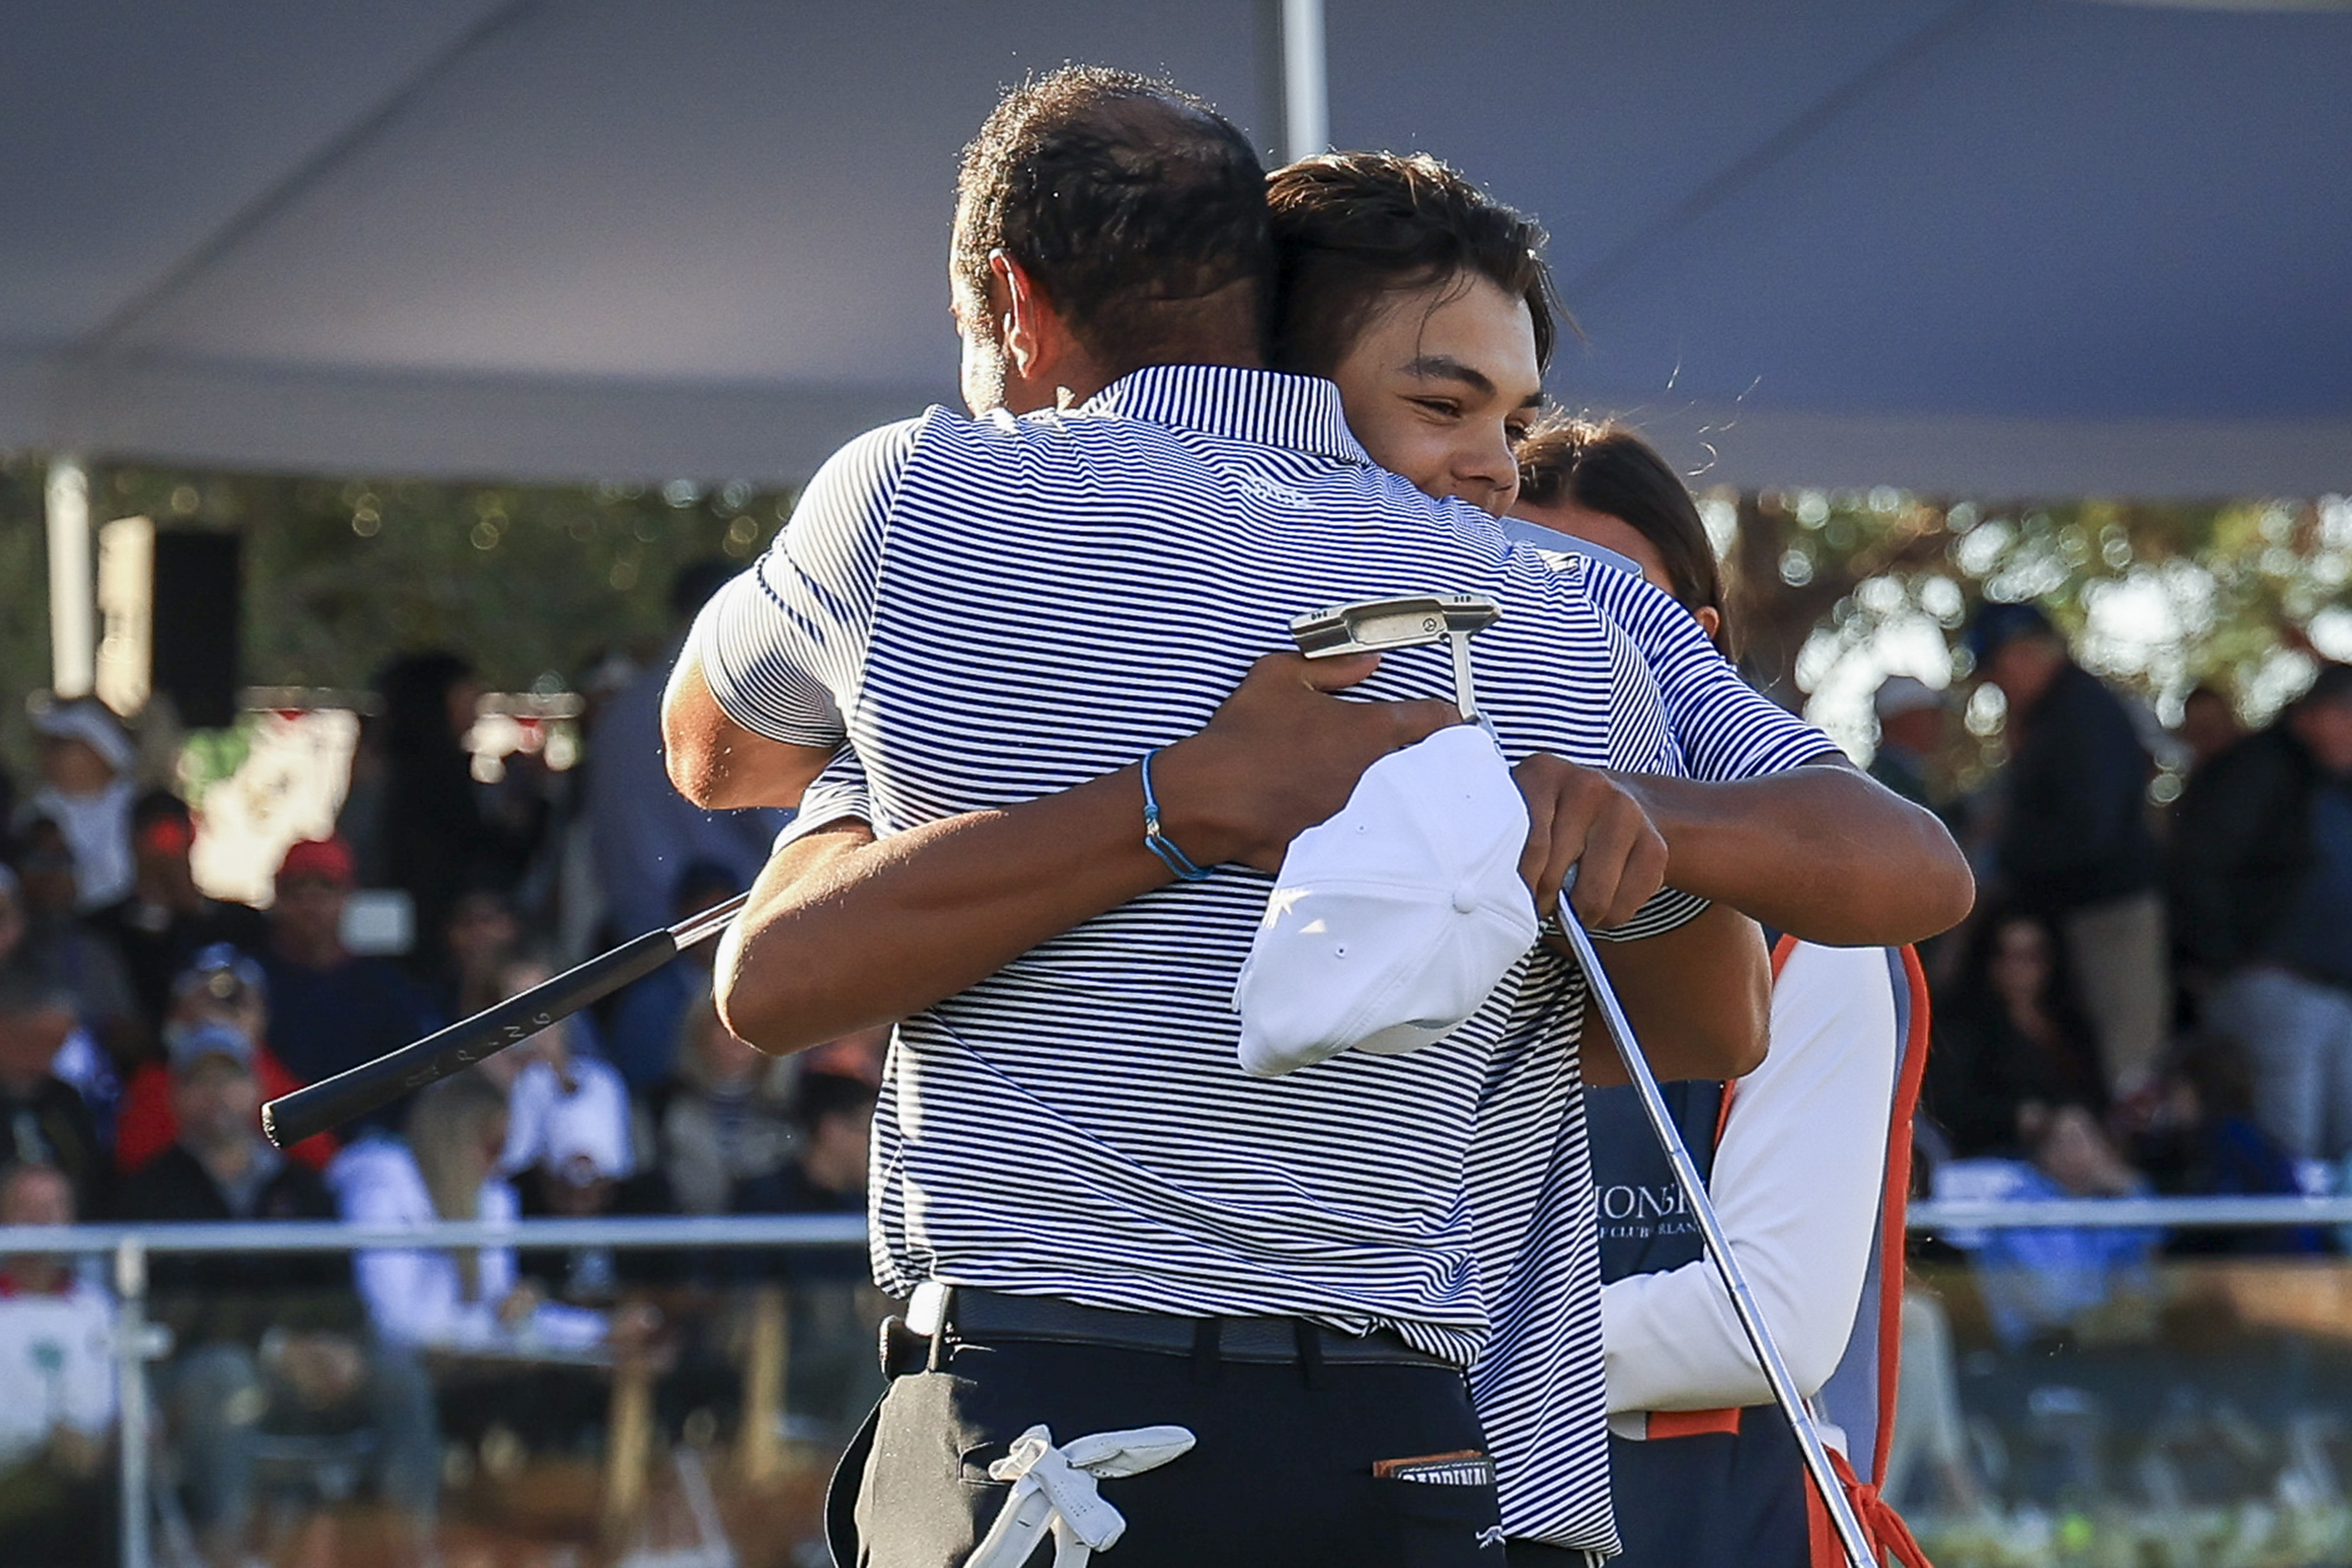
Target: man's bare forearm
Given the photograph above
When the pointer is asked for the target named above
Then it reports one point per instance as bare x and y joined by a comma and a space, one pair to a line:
1822, 852
1699, 998
842, 931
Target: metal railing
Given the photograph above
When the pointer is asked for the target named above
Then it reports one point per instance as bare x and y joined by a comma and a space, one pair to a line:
137, 1342
2106, 1213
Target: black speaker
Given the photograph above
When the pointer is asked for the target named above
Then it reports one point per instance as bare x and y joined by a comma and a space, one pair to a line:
199, 579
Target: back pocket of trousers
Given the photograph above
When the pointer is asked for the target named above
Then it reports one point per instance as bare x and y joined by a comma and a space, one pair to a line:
1441, 1524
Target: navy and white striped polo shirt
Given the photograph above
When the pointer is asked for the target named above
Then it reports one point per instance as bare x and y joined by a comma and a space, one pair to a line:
1535, 1387
1538, 1382
989, 612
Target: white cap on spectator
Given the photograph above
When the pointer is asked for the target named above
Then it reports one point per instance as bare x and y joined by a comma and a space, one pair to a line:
87, 720
1901, 694
1392, 923
585, 1135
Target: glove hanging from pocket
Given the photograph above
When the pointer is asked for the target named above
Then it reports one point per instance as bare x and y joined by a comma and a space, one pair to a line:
1053, 1488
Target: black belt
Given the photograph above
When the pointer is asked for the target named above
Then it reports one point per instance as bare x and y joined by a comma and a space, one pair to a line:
981, 1315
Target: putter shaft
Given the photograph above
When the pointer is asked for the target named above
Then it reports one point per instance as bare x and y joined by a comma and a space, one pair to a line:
702, 927
1466, 687
1718, 1247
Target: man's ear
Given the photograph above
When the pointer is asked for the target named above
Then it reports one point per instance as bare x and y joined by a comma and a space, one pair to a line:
1042, 356
1026, 324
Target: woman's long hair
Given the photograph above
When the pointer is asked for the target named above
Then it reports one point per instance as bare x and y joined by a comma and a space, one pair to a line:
1603, 467
449, 1132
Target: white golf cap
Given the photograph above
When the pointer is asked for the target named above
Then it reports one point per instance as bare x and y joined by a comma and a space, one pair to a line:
580, 1135
1392, 923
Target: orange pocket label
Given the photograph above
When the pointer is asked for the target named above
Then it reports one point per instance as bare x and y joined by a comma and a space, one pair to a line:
1468, 1468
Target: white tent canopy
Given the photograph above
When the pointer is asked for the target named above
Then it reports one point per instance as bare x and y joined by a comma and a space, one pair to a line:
1990, 246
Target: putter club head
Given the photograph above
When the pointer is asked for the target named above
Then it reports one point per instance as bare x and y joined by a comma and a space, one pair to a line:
1467, 613
1371, 625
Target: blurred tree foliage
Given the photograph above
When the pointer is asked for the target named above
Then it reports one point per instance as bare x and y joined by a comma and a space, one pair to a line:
532, 583
527, 580
24, 599
536, 583
2158, 598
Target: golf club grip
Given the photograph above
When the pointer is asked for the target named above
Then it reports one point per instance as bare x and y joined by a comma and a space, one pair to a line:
291, 1118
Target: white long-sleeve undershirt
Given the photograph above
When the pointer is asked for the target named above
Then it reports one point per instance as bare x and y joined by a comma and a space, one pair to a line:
1796, 1183
415, 1296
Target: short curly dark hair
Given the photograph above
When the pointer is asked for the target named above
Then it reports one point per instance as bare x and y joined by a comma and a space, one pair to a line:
1135, 207
1353, 227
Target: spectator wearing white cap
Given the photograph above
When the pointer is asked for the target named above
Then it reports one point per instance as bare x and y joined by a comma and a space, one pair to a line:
1911, 716
86, 789
556, 1074
57, 1370
584, 1167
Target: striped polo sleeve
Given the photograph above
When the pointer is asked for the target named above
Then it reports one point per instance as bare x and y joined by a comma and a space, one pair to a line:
1726, 728
839, 793
783, 646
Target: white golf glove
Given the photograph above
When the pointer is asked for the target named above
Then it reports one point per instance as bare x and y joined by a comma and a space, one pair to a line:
1053, 1488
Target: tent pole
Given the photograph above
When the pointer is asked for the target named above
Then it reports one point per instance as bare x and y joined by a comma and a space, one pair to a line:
1306, 92
73, 593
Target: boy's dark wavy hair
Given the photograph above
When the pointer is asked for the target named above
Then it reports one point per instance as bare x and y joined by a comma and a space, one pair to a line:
1352, 228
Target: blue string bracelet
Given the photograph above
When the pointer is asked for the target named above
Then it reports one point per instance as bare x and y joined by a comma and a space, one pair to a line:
1158, 843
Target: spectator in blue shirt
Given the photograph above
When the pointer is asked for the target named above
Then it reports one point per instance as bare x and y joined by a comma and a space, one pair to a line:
646, 837
646, 1017
2043, 1283
328, 1008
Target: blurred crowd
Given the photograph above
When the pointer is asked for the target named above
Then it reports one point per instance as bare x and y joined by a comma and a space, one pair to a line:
2150, 999
144, 1023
